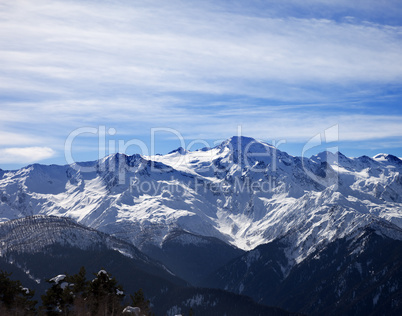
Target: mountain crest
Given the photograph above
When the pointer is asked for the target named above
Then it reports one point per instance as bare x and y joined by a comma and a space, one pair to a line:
387, 158
243, 191
179, 150
243, 143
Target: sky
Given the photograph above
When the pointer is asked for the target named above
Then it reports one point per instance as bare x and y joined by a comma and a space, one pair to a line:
83, 79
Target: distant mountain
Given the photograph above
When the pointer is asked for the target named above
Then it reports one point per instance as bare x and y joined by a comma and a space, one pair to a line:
360, 274
243, 192
195, 211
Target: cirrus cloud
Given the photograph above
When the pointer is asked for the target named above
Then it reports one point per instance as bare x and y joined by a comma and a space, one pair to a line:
279, 69
23, 155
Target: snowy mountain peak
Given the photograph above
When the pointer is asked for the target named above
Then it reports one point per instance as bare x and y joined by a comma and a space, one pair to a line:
326, 156
366, 159
244, 192
387, 158
245, 144
332, 158
117, 157
380, 156
243, 151
179, 150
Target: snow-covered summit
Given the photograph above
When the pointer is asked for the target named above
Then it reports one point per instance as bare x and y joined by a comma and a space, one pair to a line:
242, 191
179, 150
246, 144
387, 158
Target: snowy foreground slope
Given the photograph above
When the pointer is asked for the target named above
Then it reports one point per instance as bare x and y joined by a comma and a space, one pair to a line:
243, 191
51, 237
37, 248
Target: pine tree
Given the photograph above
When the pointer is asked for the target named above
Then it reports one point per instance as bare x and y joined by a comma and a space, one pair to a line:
66, 295
138, 300
58, 299
14, 298
105, 295
74, 295
79, 291
79, 284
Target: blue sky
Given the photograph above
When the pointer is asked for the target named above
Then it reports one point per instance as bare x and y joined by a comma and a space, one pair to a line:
279, 71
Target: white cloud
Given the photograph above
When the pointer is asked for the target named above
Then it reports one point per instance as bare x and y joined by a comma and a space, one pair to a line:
84, 46
133, 65
300, 127
20, 138
25, 154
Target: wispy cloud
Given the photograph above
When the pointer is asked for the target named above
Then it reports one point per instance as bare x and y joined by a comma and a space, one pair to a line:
21, 137
82, 48
281, 70
25, 155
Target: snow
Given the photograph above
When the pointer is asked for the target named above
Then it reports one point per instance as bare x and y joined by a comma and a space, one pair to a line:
251, 257
376, 298
64, 285
199, 300
173, 311
101, 272
189, 239
132, 310
26, 290
380, 157
241, 288
118, 292
33, 234
58, 278
123, 252
215, 192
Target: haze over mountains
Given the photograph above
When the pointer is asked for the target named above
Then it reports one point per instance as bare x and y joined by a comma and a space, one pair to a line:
225, 201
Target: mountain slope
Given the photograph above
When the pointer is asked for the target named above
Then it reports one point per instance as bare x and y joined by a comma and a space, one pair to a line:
359, 274
216, 302
36, 244
192, 257
243, 192
37, 248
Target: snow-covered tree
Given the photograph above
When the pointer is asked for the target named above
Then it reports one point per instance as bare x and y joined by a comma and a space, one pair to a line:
139, 300
105, 295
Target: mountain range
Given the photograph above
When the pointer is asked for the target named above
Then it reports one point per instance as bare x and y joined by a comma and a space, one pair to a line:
231, 217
